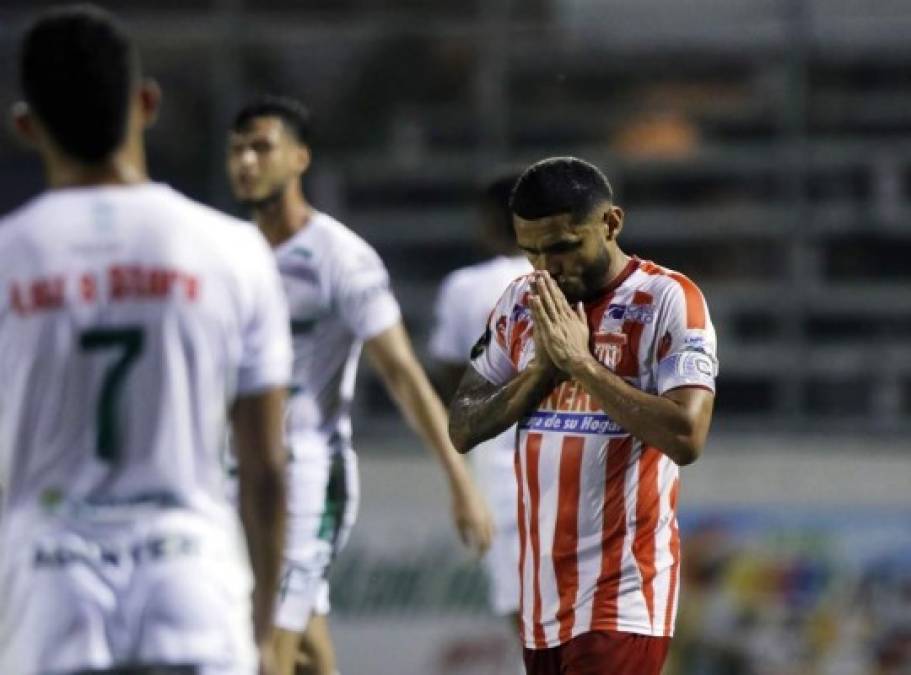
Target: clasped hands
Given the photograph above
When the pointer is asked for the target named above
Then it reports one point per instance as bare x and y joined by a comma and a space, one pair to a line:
561, 332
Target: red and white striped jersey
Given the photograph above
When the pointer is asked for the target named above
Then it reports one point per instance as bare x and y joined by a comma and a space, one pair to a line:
597, 507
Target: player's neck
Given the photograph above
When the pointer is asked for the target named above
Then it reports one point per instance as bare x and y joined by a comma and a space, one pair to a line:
282, 218
618, 264
616, 270
126, 166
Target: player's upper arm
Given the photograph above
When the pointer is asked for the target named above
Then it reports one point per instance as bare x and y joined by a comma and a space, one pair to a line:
390, 351
686, 361
686, 351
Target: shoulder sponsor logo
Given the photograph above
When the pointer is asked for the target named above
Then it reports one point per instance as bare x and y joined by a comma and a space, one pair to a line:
520, 312
644, 314
615, 311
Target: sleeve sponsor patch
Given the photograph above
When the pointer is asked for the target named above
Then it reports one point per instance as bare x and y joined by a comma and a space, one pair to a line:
688, 368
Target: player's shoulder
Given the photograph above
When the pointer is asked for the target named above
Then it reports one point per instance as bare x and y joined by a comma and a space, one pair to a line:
203, 216
15, 224
340, 248
515, 298
336, 235
220, 233
664, 280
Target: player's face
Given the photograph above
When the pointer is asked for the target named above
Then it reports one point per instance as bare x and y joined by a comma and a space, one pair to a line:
263, 159
576, 255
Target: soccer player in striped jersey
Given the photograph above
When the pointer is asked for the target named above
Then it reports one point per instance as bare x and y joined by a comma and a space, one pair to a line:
340, 303
607, 362
133, 321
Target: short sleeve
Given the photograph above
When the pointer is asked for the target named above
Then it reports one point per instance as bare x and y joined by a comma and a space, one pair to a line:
363, 295
686, 349
490, 356
450, 330
266, 350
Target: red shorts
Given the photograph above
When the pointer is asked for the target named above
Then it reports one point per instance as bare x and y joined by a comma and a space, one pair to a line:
601, 653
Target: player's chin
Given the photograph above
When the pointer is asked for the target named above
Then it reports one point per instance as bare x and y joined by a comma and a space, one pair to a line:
573, 290
247, 198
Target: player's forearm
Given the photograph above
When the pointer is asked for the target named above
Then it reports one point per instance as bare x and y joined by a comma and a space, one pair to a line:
262, 510
655, 420
479, 413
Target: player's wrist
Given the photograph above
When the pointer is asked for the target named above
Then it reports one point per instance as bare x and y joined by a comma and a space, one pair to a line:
544, 372
582, 366
460, 482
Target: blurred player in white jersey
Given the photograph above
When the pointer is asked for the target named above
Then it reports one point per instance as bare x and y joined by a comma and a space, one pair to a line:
607, 362
133, 323
340, 301
466, 298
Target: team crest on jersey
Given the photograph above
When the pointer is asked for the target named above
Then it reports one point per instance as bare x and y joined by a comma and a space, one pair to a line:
609, 347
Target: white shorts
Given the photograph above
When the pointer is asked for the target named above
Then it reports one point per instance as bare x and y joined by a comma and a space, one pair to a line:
161, 592
502, 565
323, 497
492, 464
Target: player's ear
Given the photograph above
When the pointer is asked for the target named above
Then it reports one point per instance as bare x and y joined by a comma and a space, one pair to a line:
23, 121
302, 157
149, 101
613, 221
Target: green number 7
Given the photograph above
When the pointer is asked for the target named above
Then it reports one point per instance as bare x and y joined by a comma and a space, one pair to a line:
130, 342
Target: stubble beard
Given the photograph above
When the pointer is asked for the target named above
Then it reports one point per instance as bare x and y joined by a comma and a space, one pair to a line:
594, 281
263, 203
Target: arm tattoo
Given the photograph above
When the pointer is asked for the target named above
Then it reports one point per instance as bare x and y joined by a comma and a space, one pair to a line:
481, 410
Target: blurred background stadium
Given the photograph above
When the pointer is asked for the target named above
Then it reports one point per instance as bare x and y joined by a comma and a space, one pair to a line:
762, 147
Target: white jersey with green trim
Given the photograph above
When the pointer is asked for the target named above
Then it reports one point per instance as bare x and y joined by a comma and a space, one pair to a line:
130, 318
466, 299
338, 296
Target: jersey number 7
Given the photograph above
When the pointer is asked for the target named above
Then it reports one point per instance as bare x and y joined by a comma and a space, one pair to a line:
129, 341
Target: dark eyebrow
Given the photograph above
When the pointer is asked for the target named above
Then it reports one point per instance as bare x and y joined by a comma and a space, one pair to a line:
557, 247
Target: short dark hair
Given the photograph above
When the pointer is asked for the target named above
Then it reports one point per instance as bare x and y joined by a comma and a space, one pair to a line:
560, 185
495, 198
77, 68
294, 115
